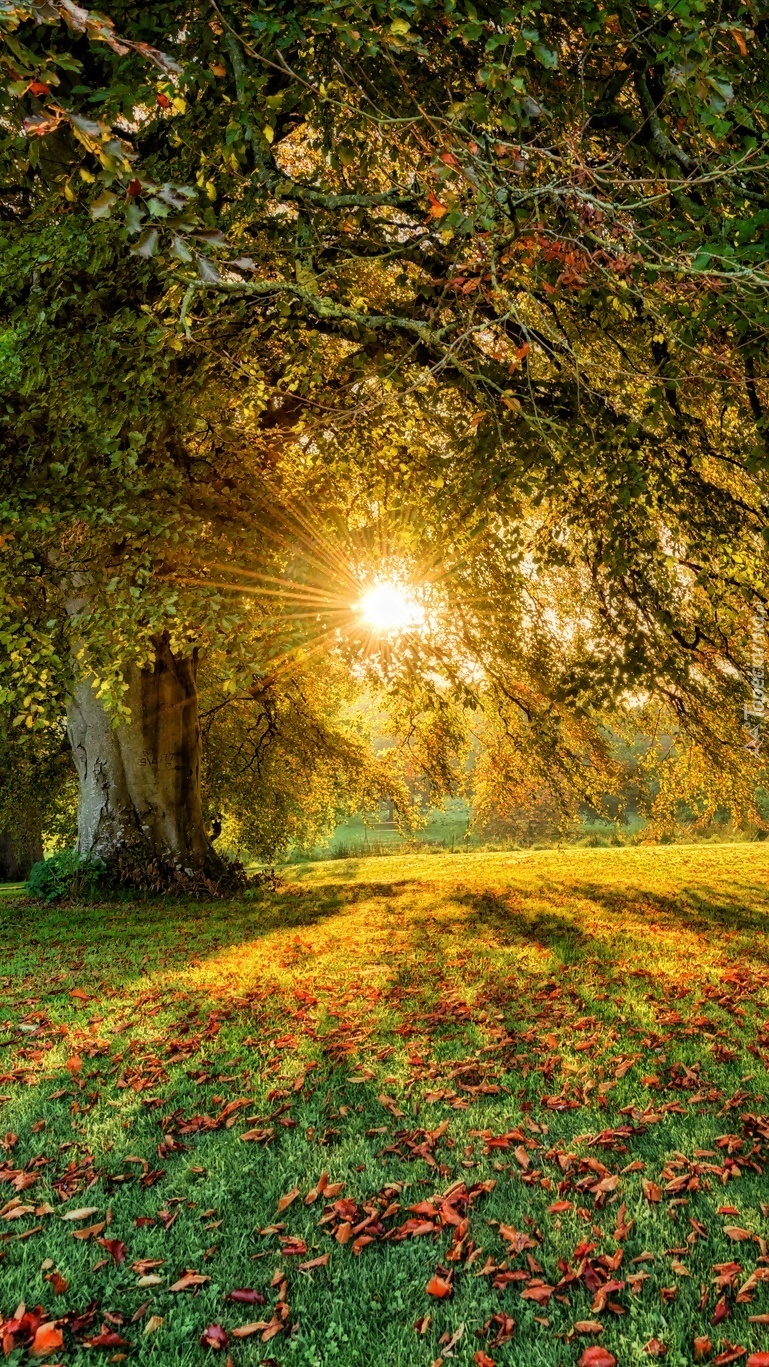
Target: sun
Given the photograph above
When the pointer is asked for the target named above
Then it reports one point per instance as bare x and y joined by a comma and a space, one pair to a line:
388, 607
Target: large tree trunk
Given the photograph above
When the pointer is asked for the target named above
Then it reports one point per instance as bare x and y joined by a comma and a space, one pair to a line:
18, 853
140, 781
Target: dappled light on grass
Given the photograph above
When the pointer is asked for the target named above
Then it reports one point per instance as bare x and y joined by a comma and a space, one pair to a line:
520, 1094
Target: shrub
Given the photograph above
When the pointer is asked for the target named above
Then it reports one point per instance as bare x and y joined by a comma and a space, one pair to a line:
66, 874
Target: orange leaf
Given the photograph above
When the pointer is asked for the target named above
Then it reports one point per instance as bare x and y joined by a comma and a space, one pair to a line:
436, 210
482, 1359
189, 1280
322, 1261
285, 1201
650, 1190
74, 1064
438, 1286
48, 1339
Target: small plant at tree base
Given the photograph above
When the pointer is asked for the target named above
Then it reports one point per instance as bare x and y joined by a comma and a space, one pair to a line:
66, 874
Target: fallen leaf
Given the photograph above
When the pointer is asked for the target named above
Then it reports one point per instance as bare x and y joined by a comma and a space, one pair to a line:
245, 1296
588, 1327
245, 1331
482, 1359
107, 1338
90, 1231
650, 1190
290, 1196
731, 1352
655, 1348
188, 1281
83, 1213
597, 1357
703, 1347
115, 1248
737, 1233
322, 1261
153, 1324
214, 1337
438, 1286
48, 1339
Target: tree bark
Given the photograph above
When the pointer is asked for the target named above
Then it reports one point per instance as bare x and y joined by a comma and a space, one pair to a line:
140, 781
18, 853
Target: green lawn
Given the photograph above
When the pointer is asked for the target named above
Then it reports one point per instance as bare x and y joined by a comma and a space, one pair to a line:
560, 1058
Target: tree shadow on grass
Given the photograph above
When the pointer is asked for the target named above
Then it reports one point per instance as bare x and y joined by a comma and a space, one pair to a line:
743, 914
514, 924
124, 933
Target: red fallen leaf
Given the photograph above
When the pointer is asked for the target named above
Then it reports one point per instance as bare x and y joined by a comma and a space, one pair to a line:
482, 1359
730, 1353
245, 1296
655, 1349
703, 1347
292, 1245
74, 1064
559, 1206
108, 1338
115, 1248
214, 1337
438, 1286
163, 101
597, 1357
758, 1360
48, 1339
721, 1312
588, 1327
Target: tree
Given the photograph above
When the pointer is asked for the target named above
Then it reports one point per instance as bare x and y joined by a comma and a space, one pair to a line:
37, 797
536, 229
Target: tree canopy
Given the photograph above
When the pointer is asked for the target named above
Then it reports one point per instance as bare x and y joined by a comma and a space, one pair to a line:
295, 293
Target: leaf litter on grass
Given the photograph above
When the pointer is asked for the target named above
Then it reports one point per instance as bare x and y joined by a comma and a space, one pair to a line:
450, 1119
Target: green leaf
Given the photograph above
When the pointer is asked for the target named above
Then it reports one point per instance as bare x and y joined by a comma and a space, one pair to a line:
101, 207
147, 244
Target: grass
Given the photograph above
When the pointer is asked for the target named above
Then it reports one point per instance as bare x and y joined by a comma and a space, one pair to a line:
585, 1029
